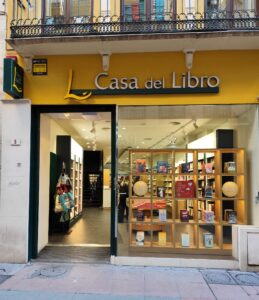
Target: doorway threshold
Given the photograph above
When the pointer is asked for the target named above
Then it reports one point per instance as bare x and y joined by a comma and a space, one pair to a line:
79, 245
75, 254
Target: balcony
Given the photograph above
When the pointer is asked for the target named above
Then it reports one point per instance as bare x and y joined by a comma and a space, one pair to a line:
210, 30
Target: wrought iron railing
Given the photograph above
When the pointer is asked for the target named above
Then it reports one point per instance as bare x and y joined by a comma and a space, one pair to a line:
114, 25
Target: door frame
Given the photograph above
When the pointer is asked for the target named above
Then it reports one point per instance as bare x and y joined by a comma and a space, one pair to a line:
36, 111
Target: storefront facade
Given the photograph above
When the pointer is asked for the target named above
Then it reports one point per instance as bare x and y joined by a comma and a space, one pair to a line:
112, 74
233, 73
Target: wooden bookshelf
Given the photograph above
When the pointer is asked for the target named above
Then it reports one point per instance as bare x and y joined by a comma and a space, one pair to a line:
205, 170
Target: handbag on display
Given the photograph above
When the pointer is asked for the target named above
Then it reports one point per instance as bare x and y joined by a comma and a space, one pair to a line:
58, 207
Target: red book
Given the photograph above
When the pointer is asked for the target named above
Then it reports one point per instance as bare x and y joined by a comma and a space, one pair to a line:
185, 189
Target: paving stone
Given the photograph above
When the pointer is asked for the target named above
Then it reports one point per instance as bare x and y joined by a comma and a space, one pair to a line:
217, 277
4, 278
52, 271
245, 278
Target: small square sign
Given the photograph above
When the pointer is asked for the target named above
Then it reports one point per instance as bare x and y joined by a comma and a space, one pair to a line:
40, 66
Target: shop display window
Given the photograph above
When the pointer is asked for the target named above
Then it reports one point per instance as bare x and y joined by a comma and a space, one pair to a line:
192, 204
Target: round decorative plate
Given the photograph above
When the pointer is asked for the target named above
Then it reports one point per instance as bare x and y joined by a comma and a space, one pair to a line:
230, 189
140, 188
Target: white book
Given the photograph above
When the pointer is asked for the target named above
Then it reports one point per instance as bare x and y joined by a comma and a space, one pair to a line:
162, 215
185, 239
140, 238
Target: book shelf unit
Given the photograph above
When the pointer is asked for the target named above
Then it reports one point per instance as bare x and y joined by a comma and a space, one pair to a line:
184, 209
76, 171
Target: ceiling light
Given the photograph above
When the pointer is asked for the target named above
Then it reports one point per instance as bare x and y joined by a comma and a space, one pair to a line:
83, 129
195, 125
91, 116
175, 123
88, 147
137, 147
123, 128
142, 142
87, 143
119, 136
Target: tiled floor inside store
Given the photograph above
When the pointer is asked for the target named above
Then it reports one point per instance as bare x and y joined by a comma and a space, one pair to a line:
88, 240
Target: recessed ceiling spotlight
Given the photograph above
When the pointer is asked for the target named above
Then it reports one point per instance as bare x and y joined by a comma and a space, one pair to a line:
83, 129
88, 147
137, 147
143, 142
87, 143
119, 136
195, 124
175, 123
123, 128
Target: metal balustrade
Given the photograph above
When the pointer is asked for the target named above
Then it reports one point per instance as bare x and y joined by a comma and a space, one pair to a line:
114, 25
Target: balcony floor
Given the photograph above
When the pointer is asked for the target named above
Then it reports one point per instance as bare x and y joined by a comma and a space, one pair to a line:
135, 43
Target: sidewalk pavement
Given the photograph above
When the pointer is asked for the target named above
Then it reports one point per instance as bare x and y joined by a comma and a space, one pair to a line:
52, 281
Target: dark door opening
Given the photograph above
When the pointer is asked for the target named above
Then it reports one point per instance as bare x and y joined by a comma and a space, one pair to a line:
84, 221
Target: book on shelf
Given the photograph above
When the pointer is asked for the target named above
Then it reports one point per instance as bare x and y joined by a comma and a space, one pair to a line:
208, 216
139, 215
208, 240
161, 191
185, 239
185, 189
161, 167
140, 238
162, 238
226, 213
208, 167
185, 168
184, 215
232, 217
162, 215
230, 167
141, 166
208, 191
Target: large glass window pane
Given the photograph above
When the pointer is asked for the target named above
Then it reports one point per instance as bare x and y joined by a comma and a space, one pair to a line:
172, 151
216, 5
80, 8
55, 8
134, 10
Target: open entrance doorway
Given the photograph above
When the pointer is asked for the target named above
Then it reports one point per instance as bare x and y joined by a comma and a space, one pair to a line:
75, 203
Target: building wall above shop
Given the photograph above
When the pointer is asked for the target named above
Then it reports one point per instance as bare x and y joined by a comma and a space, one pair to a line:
237, 72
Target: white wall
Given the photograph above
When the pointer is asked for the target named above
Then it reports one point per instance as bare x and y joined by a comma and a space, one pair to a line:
49, 129
248, 138
14, 205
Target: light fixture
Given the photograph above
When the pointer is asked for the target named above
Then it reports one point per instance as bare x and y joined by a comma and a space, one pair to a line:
195, 124
119, 136
105, 60
93, 128
83, 129
189, 58
27, 64
175, 123
173, 141
123, 128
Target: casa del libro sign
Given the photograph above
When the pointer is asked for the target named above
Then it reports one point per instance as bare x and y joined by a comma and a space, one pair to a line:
176, 83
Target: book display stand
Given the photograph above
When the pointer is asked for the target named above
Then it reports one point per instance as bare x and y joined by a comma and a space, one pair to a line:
192, 198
